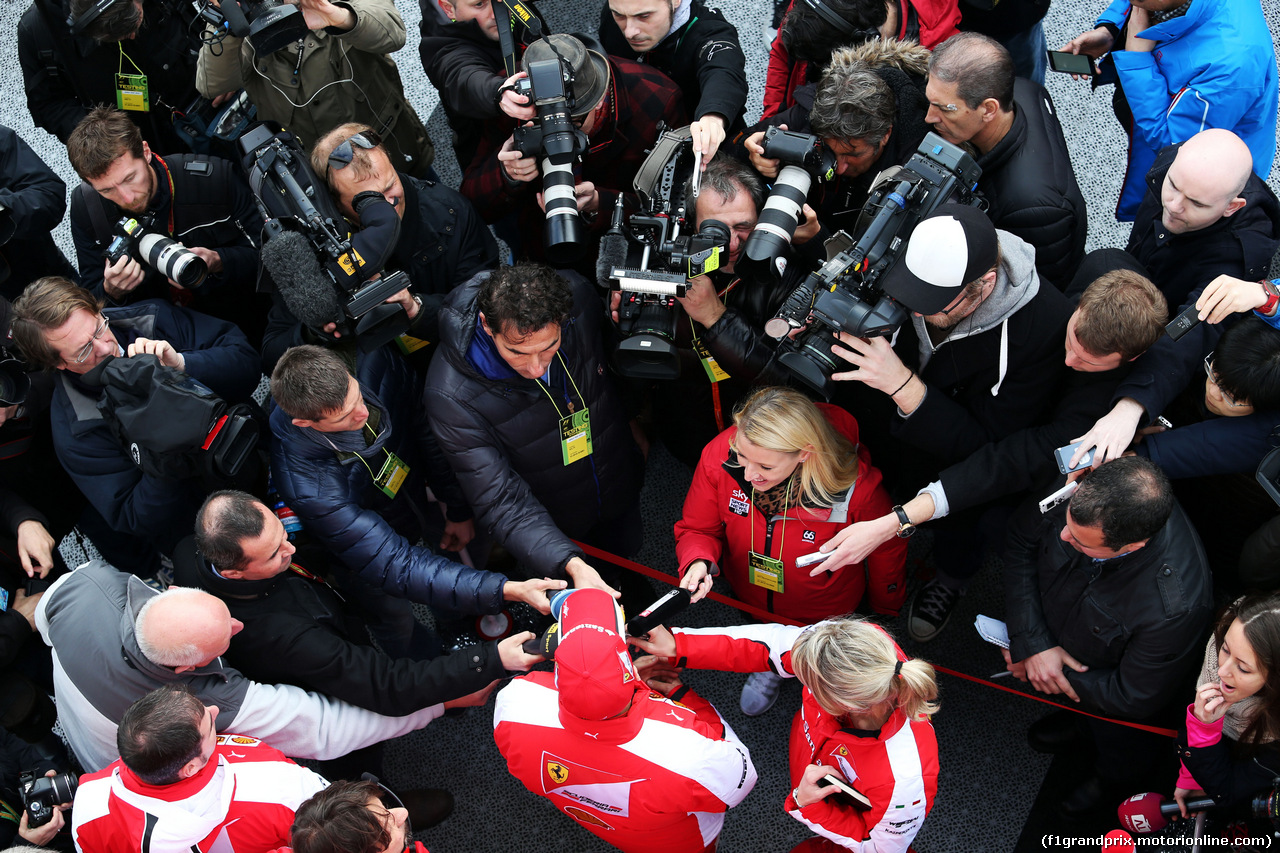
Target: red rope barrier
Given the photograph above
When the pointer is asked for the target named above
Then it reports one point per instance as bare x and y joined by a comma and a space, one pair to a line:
766, 616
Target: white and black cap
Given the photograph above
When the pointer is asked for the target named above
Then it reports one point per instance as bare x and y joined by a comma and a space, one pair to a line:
954, 245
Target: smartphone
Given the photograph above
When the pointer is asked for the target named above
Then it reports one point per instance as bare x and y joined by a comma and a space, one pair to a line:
848, 794
1187, 320
810, 559
1073, 63
1063, 456
4, 599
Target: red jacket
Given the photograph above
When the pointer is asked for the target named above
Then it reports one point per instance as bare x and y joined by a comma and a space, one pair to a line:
658, 778
243, 799
896, 767
938, 20
720, 522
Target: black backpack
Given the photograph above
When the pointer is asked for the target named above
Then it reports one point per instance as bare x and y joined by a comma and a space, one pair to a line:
177, 429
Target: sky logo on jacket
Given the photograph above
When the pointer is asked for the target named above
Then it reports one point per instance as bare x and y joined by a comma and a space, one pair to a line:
738, 503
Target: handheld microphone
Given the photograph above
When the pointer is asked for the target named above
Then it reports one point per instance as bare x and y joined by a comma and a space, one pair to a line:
659, 612
1147, 813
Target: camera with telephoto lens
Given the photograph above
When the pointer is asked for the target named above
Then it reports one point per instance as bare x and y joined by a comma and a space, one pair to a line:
268, 24
804, 157
557, 140
655, 256
163, 254
844, 294
309, 250
42, 794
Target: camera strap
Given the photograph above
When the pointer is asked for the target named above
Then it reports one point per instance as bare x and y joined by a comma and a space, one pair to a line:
164, 167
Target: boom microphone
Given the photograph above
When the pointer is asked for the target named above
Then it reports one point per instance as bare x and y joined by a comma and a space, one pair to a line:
613, 248
301, 283
1147, 813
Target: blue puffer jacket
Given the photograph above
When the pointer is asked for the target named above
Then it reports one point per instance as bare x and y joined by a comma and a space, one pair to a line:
152, 509
1213, 67
371, 533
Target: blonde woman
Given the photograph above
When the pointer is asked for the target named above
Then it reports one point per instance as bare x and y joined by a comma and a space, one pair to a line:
777, 485
863, 718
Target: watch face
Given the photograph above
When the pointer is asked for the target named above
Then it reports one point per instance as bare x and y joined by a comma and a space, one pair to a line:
906, 531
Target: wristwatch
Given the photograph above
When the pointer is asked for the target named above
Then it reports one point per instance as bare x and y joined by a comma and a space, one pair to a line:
1273, 297
905, 528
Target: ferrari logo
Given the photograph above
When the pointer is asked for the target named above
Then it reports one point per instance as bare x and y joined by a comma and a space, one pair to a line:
557, 772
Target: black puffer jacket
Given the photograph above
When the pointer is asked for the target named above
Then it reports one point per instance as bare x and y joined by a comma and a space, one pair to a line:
1028, 180
703, 58
371, 533
298, 631
1239, 245
502, 434
1138, 621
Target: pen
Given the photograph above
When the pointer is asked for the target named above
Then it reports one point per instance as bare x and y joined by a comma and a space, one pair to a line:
1001, 674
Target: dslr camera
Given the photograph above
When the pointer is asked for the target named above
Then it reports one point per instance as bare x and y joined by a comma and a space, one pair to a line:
655, 256
844, 294
557, 140
323, 272
804, 158
42, 794
163, 254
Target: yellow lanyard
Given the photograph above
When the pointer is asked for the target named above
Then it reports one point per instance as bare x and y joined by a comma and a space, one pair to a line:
782, 536
361, 458
123, 57
575, 390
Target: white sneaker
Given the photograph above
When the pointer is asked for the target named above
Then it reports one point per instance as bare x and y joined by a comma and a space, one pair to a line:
759, 693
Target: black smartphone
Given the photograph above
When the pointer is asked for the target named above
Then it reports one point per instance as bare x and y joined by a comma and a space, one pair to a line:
1183, 323
1073, 63
848, 794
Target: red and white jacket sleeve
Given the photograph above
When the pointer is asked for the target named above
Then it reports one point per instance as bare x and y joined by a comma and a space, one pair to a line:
743, 648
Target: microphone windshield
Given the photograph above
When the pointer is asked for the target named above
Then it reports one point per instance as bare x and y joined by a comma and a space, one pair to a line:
1140, 814
613, 253
307, 292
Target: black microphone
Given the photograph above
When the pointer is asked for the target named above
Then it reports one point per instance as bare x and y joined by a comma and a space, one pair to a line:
659, 612
613, 248
1147, 813
307, 292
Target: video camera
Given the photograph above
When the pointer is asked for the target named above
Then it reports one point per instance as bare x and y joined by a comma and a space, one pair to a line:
323, 272
804, 158
163, 254
655, 257
268, 24
558, 141
844, 294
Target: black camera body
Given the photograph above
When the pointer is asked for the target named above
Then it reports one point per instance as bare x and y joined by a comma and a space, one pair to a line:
309, 250
653, 259
844, 294
558, 141
804, 158
133, 237
41, 795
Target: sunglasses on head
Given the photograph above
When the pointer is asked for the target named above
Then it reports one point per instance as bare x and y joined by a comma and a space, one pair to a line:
342, 155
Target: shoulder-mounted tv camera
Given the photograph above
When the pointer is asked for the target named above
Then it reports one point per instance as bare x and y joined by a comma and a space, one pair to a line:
844, 294
323, 272
653, 258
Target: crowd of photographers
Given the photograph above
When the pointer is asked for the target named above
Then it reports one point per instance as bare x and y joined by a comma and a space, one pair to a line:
462, 423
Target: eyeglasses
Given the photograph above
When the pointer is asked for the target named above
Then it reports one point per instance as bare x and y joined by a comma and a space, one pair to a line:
1213, 377
389, 800
946, 108
87, 350
341, 157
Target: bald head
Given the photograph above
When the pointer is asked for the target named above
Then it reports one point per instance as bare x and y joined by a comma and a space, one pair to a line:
184, 629
1205, 181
